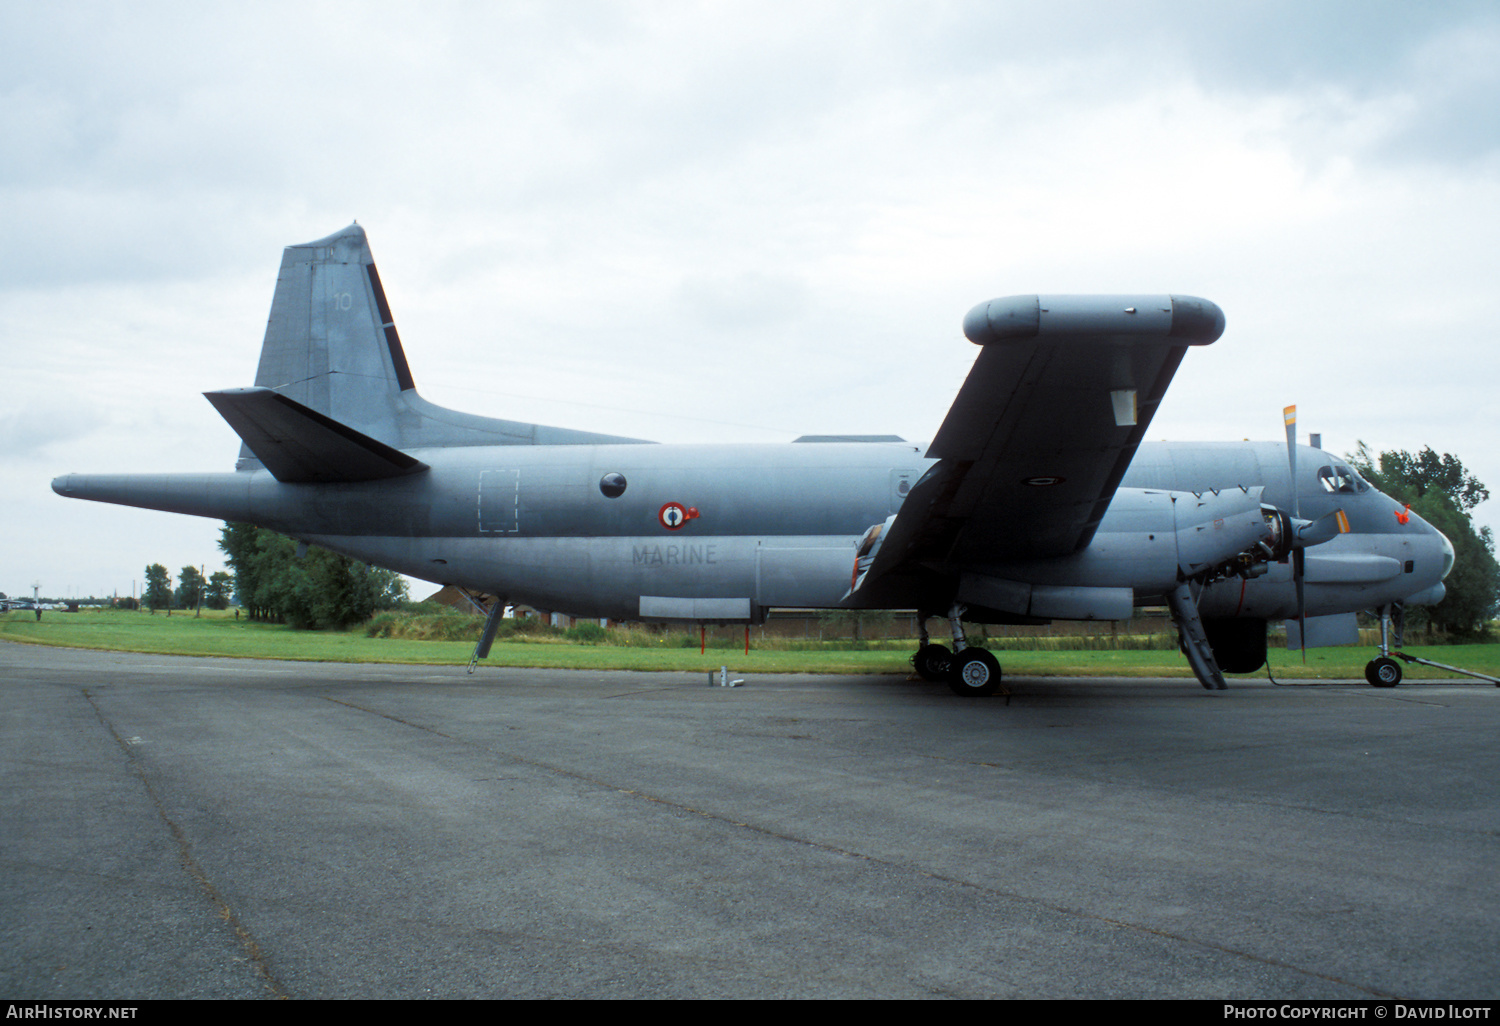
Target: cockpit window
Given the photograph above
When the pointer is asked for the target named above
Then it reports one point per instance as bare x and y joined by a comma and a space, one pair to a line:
1340, 479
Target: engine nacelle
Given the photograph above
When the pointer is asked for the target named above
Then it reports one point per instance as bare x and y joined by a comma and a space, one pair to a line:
1146, 545
1223, 532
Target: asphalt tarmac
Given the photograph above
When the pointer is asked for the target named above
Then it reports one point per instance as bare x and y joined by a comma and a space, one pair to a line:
213, 828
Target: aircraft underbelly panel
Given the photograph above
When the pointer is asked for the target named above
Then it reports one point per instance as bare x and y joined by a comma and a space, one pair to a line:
676, 607
710, 578
813, 575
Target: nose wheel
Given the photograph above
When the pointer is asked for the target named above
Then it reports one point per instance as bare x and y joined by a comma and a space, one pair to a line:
1383, 672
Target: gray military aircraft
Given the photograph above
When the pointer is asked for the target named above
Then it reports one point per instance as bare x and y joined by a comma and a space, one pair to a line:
1037, 500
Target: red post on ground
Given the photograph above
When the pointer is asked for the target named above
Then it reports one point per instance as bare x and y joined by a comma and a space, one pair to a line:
702, 639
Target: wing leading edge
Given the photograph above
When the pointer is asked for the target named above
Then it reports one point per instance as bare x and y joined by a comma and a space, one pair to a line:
1040, 434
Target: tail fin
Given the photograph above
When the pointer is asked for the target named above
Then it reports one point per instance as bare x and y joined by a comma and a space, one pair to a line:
331, 344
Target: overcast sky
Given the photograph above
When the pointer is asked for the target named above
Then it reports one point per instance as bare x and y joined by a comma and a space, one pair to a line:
736, 222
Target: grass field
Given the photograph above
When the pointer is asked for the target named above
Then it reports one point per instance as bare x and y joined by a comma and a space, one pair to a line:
220, 634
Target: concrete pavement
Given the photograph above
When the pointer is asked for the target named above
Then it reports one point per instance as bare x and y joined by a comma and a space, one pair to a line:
175, 827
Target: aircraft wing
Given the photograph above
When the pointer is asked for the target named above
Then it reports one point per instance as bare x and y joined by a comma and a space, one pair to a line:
1040, 434
299, 445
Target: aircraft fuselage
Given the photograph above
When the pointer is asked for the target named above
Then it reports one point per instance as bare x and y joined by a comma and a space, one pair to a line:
721, 533
1036, 499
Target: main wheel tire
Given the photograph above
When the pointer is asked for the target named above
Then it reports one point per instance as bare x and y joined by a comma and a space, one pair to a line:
1383, 673
975, 673
931, 663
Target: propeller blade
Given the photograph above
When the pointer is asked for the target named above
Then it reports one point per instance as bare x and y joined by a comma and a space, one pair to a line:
1289, 416
1305, 532
1299, 566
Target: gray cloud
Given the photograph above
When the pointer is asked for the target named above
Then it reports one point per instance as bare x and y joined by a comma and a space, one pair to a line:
601, 201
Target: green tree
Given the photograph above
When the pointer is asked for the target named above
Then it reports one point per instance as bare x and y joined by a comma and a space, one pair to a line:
158, 588
220, 588
1442, 492
239, 543
1426, 472
322, 589
190, 588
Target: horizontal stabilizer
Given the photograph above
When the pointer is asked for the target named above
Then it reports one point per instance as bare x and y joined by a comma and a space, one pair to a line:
299, 445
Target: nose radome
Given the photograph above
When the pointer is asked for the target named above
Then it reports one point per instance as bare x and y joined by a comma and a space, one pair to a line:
1448, 555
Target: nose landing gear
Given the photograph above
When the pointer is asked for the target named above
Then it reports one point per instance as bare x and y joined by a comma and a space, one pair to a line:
1385, 672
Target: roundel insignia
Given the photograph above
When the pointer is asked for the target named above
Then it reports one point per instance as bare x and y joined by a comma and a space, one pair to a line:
1043, 482
673, 515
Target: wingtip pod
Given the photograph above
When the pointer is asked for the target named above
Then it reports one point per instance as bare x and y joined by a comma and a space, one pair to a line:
1198, 321
1012, 317
1186, 319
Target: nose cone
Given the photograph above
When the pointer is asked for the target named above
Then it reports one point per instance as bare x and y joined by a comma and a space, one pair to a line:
1434, 547
1448, 556
1434, 543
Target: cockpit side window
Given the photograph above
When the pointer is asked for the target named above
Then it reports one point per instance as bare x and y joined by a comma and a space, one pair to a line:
1340, 479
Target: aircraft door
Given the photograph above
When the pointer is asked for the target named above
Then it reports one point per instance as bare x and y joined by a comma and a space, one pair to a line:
543, 500
500, 502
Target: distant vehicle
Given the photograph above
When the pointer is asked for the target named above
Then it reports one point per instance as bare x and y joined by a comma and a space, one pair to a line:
1037, 499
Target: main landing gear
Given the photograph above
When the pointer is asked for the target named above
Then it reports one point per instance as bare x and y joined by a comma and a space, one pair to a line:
969, 671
